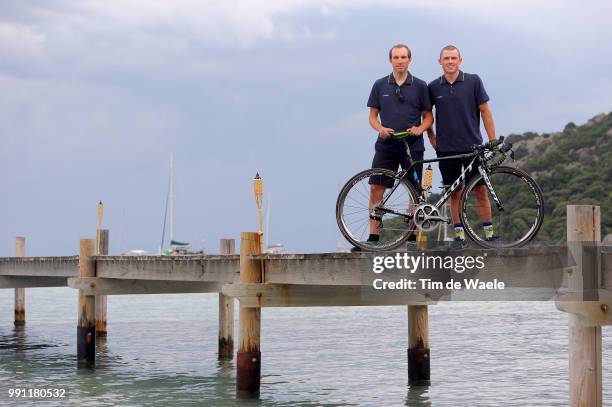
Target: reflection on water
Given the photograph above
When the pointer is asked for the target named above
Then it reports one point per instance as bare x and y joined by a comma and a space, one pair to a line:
16, 340
418, 396
511, 354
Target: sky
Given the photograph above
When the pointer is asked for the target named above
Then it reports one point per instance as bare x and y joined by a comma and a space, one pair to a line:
96, 95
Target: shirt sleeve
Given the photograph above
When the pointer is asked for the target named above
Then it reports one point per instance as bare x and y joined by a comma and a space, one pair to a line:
374, 99
479, 92
425, 98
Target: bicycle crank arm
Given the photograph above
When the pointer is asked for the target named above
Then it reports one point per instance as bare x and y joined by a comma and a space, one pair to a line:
438, 219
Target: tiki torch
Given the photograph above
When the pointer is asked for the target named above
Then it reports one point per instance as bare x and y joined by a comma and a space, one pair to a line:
258, 189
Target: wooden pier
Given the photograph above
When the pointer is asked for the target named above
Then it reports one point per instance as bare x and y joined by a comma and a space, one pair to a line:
579, 272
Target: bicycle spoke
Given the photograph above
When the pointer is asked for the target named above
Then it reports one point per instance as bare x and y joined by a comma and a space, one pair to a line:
365, 190
355, 221
350, 197
355, 207
363, 229
358, 211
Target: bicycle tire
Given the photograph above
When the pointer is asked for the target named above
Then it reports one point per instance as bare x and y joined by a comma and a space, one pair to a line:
357, 192
523, 204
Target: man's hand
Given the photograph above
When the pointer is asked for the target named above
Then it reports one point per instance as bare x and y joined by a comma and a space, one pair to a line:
415, 130
385, 132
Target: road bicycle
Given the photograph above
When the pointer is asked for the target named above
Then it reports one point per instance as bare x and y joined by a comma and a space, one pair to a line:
512, 197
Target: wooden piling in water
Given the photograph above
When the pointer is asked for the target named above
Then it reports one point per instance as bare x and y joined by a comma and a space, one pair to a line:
249, 356
418, 336
102, 239
418, 345
226, 311
585, 369
86, 329
19, 292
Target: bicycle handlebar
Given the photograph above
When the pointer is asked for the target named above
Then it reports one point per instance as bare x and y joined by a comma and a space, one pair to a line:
490, 145
402, 134
497, 142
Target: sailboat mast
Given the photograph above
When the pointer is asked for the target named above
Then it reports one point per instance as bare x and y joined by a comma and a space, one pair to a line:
171, 196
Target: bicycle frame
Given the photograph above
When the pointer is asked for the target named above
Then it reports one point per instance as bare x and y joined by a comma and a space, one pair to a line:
475, 155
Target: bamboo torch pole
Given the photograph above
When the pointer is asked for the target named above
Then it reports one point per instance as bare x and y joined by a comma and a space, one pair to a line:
258, 189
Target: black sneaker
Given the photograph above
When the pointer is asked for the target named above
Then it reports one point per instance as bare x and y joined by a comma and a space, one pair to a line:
367, 242
457, 244
494, 241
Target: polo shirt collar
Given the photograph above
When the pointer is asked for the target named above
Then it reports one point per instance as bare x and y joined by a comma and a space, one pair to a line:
409, 79
460, 78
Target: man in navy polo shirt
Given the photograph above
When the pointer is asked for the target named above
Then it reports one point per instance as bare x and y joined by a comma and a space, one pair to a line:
460, 100
397, 102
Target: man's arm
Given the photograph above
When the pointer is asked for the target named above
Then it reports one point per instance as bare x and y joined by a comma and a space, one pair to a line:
487, 120
426, 122
431, 134
382, 131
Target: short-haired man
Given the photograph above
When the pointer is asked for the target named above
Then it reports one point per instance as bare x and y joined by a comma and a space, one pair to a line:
460, 100
397, 102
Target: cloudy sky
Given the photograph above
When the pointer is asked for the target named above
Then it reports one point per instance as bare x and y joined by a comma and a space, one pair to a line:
95, 95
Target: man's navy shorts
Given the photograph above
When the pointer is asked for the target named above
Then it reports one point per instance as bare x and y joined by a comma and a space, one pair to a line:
391, 160
451, 169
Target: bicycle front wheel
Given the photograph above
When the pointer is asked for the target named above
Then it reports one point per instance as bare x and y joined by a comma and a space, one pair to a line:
393, 214
507, 213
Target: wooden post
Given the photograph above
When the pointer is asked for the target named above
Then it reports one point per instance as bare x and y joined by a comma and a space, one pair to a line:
19, 292
226, 311
583, 227
101, 249
86, 329
418, 345
249, 355
418, 337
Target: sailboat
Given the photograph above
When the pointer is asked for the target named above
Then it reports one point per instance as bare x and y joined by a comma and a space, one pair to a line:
176, 247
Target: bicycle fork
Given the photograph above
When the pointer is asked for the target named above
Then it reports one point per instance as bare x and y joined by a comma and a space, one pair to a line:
487, 181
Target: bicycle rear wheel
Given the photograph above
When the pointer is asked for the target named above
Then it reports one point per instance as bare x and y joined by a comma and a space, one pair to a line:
353, 210
521, 213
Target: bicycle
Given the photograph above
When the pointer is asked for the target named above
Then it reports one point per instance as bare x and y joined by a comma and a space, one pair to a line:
516, 216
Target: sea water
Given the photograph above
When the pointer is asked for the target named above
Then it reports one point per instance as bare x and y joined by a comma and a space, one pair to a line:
161, 351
